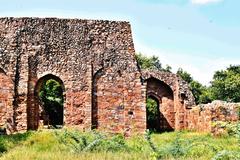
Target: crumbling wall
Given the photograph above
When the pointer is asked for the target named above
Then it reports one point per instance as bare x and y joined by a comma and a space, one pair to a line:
6, 106
9, 64
117, 101
203, 116
74, 51
164, 95
182, 96
95, 62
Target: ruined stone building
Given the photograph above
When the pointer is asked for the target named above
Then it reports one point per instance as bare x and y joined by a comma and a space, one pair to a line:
94, 61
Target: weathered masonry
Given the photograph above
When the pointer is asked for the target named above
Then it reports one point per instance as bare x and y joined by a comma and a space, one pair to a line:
94, 61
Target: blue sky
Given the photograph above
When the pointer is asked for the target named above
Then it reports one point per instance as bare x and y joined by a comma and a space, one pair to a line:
201, 36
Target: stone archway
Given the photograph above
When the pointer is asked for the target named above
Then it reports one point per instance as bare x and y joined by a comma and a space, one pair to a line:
42, 113
163, 95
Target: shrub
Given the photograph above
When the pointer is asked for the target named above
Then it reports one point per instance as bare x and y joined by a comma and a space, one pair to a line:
179, 147
91, 141
3, 147
226, 155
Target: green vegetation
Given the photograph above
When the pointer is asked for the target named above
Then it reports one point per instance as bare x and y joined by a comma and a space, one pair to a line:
153, 114
200, 92
73, 145
152, 63
51, 95
9, 142
224, 86
51, 91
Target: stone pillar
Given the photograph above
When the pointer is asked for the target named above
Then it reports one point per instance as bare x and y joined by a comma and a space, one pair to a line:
178, 109
141, 121
88, 104
32, 102
20, 105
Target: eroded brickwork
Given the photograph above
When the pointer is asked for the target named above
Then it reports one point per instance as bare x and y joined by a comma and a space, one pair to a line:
117, 102
202, 117
6, 99
95, 63
174, 96
164, 95
73, 51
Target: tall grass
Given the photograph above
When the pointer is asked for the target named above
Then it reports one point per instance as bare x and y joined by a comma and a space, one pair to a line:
73, 145
9, 142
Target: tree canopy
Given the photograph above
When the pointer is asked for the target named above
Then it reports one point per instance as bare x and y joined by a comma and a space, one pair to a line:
224, 86
151, 62
200, 92
184, 75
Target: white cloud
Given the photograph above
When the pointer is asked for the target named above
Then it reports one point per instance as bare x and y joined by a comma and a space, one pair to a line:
202, 2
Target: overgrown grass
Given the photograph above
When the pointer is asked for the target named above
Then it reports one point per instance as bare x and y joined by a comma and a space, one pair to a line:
192, 145
74, 145
9, 142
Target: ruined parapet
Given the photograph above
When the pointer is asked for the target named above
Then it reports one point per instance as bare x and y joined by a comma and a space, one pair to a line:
203, 117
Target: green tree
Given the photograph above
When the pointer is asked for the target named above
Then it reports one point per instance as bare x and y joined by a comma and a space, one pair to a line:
51, 95
168, 68
226, 84
184, 75
151, 62
200, 92
51, 90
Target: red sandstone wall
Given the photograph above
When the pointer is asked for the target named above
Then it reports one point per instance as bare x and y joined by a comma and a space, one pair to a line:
118, 103
202, 117
182, 97
164, 94
72, 50
6, 99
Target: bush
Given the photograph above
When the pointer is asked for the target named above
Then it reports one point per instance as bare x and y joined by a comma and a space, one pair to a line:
3, 147
91, 141
180, 147
226, 155
10, 141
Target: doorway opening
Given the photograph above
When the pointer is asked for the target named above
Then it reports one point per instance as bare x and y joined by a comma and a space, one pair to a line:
153, 114
51, 101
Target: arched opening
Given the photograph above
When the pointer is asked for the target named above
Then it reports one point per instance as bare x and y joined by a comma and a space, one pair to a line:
153, 114
160, 106
95, 97
49, 95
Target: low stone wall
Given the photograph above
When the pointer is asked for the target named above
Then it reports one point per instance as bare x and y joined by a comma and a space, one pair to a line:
203, 116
